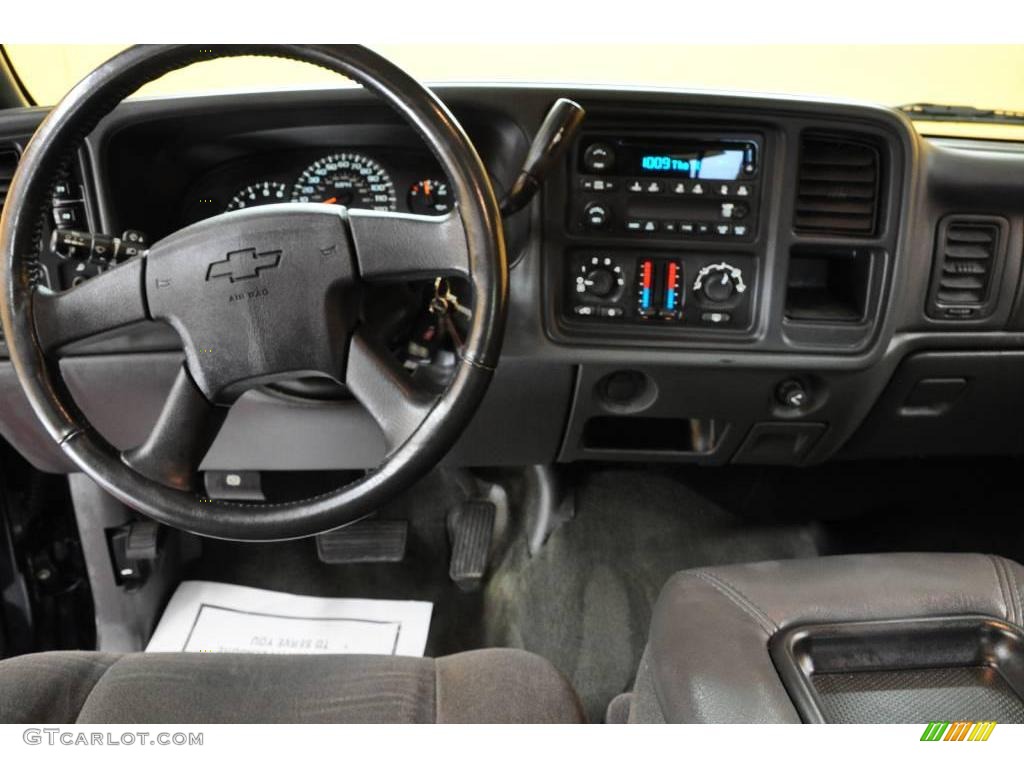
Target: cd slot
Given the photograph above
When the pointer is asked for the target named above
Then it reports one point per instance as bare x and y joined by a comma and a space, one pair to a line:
697, 210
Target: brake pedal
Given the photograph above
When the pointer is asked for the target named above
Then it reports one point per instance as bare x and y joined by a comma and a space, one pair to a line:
367, 541
470, 527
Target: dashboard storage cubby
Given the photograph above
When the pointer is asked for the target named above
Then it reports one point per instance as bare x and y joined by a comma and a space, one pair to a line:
825, 285
967, 668
637, 433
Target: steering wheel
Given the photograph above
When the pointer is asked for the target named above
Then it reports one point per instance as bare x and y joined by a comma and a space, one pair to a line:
257, 295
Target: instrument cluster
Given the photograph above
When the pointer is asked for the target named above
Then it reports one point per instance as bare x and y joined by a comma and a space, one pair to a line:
383, 180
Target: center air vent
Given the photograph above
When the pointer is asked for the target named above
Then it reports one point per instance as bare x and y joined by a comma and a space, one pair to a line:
837, 188
8, 162
968, 252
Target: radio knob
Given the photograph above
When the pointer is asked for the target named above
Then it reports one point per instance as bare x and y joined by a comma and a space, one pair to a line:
599, 158
595, 216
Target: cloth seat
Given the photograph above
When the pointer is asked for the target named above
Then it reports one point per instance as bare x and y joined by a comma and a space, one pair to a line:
707, 657
486, 686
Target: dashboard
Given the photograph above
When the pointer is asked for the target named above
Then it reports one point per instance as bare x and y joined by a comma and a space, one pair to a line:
378, 178
704, 278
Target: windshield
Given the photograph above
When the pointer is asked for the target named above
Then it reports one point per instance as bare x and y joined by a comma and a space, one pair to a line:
984, 76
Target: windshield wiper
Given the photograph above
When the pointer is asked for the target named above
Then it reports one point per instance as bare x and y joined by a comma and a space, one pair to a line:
953, 114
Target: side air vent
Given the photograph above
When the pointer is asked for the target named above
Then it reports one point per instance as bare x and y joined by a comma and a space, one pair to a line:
8, 162
968, 254
838, 186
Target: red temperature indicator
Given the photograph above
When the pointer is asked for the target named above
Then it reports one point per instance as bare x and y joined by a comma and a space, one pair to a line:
646, 295
673, 306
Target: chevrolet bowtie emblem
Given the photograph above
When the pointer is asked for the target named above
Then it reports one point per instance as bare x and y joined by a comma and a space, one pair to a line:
243, 265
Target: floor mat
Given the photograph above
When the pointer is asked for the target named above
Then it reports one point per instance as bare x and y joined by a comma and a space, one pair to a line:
293, 566
585, 600
208, 617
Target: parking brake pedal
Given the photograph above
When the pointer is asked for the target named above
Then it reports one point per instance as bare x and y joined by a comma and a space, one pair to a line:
470, 527
367, 541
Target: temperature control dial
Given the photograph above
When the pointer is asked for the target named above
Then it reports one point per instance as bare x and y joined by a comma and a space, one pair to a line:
718, 283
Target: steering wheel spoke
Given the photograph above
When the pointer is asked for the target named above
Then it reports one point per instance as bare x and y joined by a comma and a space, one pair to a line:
404, 246
187, 426
384, 388
107, 301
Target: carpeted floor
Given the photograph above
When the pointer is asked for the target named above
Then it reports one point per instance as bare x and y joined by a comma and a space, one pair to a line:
584, 601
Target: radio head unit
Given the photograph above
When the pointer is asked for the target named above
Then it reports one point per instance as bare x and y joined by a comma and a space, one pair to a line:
683, 186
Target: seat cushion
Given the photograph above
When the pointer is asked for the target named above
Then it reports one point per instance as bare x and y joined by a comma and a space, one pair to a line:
707, 657
488, 686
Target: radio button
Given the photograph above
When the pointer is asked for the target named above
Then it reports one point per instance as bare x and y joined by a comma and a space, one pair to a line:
740, 230
743, 190
670, 227
654, 188
637, 185
697, 189
634, 225
650, 226
724, 190
703, 229
677, 188
687, 227
723, 229
591, 184
599, 158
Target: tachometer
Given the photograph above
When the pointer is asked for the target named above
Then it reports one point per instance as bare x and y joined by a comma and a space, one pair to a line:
347, 179
260, 193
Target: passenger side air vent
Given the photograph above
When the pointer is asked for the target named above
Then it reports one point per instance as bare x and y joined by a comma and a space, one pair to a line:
838, 186
8, 162
968, 253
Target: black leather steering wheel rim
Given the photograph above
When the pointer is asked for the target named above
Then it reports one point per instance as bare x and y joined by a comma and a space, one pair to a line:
23, 303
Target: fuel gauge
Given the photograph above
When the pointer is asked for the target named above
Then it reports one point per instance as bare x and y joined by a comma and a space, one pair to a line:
430, 197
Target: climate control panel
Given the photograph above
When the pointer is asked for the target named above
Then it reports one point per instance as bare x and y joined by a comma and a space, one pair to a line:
660, 288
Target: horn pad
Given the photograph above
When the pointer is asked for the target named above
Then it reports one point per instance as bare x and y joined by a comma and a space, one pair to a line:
258, 295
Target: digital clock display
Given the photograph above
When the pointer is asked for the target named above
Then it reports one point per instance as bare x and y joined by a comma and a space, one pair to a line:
714, 164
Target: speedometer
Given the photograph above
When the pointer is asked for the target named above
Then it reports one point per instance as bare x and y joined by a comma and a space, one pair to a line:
347, 179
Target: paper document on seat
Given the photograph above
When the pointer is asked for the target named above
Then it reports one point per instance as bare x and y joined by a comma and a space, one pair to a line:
204, 616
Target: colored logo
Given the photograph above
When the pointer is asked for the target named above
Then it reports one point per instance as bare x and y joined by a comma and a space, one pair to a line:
243, 265
960, 730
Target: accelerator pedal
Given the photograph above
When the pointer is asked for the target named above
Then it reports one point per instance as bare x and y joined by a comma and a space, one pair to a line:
470, 527
366, 541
